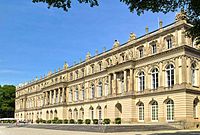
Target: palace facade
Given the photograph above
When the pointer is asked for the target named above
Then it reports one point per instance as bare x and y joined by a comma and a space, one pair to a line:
153, 78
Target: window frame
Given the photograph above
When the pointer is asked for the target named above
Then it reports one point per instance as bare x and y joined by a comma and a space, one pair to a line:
154, 79
141, 112
170, 74
170, 110
154, 111
141, 82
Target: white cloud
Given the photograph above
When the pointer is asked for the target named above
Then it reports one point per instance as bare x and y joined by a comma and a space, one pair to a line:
9, 71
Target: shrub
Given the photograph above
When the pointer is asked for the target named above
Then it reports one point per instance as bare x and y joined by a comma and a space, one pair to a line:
118, 120
106, 121
65, 121
10, 121
5, 121
37, 121
40, 120
55, 118
95, 121
80, 121
44, 121
59, 121
48, 121
72, 121
54, 121
87, 121
14, 121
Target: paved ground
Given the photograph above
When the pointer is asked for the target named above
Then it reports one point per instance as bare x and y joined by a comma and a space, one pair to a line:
30, 131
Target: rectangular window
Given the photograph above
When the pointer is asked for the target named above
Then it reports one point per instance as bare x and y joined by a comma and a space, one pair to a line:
83, 94
106, 89
71, 76
169, 43
92, 69
154, 49
77, 74
141, 113
76, 95
141, 51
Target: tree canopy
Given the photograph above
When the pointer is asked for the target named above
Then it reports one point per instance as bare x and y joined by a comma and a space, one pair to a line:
7, 101
192, 8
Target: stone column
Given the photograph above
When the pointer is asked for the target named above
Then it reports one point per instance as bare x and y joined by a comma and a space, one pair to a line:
160, 77
110, 84
24, 103
67, 94
131, 80
189, 71
58, 95
103, 87
50, 97
114, 83
176, 71
184, 70
54, 96
125, 81
176, 38
44, 100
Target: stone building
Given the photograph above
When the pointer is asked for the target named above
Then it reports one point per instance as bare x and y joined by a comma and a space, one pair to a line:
149, 79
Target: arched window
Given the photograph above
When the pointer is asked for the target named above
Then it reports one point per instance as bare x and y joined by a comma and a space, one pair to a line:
193, 74
154, 111
170, 110
195, 104
141, 112
170, 75
92, 91
154, 76
100, 90
141, 81
76, 94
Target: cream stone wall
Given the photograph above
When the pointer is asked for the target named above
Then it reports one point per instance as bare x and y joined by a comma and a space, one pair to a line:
118, 82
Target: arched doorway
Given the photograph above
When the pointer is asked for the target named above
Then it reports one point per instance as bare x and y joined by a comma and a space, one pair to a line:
51, 115
118, 110
91, 112
81, 113
70, 114
105, 111
55, 114
99, 112
75, 114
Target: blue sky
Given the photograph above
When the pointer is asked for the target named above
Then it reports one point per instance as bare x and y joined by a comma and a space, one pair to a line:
35, 40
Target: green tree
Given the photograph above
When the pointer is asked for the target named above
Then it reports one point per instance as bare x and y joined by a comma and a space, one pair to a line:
192, 8
7, 101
